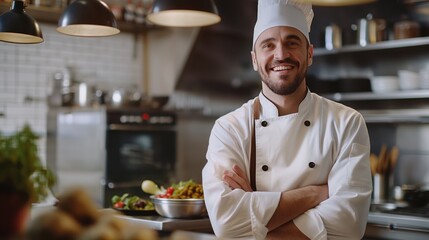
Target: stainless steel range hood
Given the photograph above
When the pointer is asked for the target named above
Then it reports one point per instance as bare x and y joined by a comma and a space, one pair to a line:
220, 59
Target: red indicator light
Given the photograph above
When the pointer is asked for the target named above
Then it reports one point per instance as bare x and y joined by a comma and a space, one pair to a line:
145, 116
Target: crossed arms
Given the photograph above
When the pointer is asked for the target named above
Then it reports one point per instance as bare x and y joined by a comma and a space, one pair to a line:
292, 204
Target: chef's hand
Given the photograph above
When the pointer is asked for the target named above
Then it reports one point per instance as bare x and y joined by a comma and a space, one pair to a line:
236, 178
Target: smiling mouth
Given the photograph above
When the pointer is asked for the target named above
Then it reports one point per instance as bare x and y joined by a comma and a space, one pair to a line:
281, 68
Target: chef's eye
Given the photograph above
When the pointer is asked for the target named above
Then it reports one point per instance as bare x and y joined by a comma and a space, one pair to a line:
292, 44
267, 45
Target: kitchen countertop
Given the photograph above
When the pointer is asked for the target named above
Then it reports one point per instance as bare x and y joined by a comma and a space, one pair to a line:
396, 226
168, 224
380, 225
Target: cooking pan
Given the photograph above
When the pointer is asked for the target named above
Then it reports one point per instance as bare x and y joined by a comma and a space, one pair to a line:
416, 195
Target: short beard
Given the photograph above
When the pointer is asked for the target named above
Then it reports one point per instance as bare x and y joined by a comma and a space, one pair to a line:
284, 89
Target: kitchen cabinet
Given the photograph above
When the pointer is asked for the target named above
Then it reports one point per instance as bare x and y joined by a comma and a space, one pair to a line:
44, 14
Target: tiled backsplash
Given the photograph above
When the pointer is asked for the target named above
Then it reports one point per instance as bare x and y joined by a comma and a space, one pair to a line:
26, 73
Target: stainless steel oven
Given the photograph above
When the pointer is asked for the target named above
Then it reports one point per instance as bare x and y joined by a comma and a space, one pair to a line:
139, 145
110, 151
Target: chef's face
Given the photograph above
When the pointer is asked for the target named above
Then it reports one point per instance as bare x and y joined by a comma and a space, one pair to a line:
282, 55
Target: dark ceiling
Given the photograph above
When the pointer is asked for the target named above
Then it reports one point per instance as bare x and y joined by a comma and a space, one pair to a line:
220, 59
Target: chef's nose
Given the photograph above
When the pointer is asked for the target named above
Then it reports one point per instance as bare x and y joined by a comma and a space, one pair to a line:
281, 53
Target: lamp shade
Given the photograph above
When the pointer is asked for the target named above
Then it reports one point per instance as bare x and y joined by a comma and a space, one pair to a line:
16, 26
184, 13
88, 18
334, 3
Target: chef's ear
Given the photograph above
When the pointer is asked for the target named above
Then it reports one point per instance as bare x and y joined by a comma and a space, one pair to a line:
310, 54
255, 64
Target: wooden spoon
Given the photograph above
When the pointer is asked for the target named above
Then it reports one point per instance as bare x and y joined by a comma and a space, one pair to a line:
373, 163
381, 158
394, 153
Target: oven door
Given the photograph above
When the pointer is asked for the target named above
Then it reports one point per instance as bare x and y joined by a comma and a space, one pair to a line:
138, 153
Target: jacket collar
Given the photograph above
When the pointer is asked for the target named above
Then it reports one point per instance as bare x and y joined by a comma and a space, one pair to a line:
269, 110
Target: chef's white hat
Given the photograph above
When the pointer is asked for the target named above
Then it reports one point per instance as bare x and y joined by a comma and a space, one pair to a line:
273, 13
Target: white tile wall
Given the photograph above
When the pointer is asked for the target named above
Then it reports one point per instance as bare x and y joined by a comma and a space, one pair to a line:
27, 71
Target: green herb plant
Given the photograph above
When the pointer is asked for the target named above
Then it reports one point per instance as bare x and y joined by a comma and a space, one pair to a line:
21, 170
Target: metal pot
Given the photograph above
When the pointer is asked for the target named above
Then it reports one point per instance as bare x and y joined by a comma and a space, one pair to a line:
84, 95
123, 97
416, 196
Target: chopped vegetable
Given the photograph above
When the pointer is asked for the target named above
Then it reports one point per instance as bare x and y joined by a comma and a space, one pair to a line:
182, 190
127, 202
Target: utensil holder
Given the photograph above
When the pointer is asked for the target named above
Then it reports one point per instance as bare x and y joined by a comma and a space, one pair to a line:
379, 190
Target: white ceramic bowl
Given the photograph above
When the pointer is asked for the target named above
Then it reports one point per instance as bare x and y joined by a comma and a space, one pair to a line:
408, 80
382, 84
424, 78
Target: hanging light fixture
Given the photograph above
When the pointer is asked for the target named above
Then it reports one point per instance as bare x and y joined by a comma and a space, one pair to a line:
338, 3
88, 18
184, 13
16, 26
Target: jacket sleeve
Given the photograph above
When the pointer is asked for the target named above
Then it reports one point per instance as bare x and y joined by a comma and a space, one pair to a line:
233, 213
344, 214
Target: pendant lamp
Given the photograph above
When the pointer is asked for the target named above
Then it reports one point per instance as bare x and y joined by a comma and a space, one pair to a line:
16, 26
338, 3
88, 18
184, 13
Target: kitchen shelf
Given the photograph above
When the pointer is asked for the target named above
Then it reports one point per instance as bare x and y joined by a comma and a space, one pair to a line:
402, 115
365, 96
53, 14
396, 115
391, 44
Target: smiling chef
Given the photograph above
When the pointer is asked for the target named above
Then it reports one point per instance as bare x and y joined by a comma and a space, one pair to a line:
288, 164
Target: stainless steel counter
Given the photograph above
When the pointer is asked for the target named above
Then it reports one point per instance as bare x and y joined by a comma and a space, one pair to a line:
168, 224
396, 227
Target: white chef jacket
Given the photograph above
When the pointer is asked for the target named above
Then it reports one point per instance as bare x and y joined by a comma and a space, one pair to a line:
332, 136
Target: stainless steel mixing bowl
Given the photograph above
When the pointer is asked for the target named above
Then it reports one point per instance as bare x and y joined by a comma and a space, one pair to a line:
180, 208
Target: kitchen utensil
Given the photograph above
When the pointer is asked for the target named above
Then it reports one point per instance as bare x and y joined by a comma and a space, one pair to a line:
398, 194
333, 38
100, 96
84, 94
383, 84
394, 153
371, 30
117, 98
179, 208
416, 196
382, 158
379, 189
374, 163
390, 168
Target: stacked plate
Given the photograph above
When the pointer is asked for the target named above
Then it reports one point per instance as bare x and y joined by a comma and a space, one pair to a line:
424, 78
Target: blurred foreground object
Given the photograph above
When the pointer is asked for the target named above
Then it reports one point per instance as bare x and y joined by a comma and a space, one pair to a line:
76, 217
23, 180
